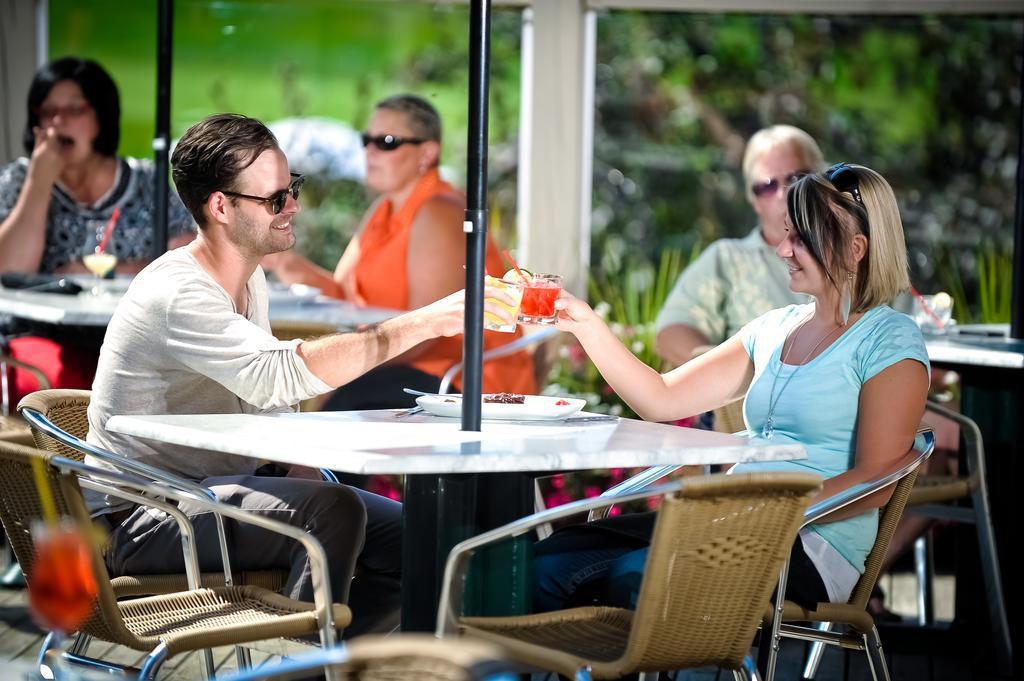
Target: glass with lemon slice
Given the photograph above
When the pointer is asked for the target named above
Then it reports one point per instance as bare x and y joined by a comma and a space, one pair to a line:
513, 285
933, 313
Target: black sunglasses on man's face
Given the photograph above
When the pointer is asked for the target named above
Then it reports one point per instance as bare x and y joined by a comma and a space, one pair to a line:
276, 200
389, 142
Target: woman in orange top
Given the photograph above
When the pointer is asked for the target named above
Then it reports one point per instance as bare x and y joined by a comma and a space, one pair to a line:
409, 251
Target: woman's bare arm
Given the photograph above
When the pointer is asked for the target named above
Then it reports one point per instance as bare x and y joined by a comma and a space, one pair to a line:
717, 377
890, 410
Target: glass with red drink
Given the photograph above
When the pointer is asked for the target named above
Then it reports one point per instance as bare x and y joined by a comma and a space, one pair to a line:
62, 587
539, 296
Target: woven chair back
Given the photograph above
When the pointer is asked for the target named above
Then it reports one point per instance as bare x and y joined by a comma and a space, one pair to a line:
20, 507
729, 418
715, 556
68, 410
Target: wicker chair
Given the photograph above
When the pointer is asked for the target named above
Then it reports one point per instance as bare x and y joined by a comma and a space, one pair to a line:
717, 544
729, 418
935, 496
861, 633
60, 422
12, 427
402, 656
168, 624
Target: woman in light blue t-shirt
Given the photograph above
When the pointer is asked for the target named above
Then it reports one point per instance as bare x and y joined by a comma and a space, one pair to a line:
845, 376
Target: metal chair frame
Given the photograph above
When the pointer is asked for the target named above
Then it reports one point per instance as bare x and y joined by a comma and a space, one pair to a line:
979, 515
458, 559
498, 352
820, 635
143, 491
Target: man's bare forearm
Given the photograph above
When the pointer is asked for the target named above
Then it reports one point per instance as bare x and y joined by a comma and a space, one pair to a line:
340, 358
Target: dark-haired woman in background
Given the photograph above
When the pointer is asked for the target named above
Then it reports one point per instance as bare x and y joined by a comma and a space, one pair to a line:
53, 203
73, 178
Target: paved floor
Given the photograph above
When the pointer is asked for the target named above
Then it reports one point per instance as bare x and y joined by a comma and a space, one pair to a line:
20, 639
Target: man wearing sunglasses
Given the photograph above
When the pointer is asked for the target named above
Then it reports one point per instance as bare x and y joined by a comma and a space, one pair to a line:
192, 336
735, 280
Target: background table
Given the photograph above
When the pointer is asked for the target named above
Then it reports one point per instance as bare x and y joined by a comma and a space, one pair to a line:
88, 310
458, 483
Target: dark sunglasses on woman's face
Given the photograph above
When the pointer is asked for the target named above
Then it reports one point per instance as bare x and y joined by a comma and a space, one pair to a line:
389, 142
844, 179
771, 185
276, 200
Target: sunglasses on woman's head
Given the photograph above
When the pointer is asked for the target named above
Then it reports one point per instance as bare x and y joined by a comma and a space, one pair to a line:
389, 142
771, 185
276, 200
844, 179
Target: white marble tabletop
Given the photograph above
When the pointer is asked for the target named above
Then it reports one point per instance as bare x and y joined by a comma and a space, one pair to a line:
86, 309
371, 442
980, 345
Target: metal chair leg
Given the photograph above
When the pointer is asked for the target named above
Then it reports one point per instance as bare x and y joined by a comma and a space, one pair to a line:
817, 650
748, 672
80, 645
243, 658
876, 656
153, 662
993, 582
924, 570
51, 641
13, 575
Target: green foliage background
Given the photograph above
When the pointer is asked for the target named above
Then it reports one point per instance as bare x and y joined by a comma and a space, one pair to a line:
273, 59
932, 102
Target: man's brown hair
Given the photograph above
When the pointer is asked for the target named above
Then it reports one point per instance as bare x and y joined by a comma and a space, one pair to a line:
211, 155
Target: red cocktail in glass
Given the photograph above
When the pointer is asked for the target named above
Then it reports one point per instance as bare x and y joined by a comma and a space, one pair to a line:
539, 296
61, 586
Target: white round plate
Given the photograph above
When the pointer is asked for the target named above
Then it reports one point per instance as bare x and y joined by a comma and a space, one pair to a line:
535, 408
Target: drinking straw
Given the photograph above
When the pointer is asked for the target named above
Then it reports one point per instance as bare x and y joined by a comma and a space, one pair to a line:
45, 492
109, 230
927, 308
508, 257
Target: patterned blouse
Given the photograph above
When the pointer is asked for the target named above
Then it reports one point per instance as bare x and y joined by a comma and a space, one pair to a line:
732, 282
68, 223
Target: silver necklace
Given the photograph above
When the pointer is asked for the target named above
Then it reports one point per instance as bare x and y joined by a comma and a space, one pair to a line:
768, 429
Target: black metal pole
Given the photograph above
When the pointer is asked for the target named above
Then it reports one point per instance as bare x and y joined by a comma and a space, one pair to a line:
476, 211
1017, 294
162, 135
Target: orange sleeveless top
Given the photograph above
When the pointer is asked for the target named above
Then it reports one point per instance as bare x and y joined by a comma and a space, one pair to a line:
381, 280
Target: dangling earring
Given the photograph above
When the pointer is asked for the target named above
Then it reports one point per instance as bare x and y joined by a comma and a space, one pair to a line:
846, 298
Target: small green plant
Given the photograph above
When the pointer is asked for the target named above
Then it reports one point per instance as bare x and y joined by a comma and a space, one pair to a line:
995, 278
989, 303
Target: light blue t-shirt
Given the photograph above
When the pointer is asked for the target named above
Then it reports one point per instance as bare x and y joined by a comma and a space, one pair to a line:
818, 405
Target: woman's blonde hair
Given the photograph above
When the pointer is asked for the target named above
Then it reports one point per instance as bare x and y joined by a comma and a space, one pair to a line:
766, 139
827, 220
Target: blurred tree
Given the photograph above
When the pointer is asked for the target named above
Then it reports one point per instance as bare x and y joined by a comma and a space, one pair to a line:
930, 102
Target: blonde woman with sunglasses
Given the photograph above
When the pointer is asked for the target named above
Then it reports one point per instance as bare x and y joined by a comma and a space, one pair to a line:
846, 376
